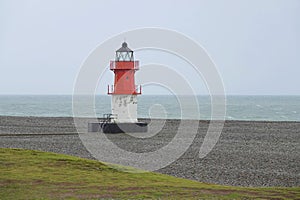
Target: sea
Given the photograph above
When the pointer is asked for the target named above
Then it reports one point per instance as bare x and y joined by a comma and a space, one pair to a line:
258, 108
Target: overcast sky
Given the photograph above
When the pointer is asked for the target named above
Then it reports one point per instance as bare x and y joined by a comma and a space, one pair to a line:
255, 44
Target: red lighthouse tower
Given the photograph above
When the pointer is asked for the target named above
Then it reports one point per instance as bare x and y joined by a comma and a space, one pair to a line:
123, 117
124, 68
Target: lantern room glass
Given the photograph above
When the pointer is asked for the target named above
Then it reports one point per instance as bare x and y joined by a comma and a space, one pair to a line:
124, 53
124, 56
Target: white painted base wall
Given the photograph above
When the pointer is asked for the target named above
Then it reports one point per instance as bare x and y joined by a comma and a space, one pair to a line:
124, 107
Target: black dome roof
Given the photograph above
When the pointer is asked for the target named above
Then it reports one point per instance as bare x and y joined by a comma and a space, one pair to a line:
124, 48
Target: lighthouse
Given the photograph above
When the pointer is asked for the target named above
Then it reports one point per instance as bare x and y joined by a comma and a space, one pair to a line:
124, 92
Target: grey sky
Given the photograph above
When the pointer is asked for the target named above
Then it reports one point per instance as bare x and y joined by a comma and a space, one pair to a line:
255, 44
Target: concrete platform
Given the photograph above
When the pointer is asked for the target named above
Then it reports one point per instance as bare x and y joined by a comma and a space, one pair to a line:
108, 127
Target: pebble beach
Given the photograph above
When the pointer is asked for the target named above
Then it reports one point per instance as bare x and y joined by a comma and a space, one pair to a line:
248, 153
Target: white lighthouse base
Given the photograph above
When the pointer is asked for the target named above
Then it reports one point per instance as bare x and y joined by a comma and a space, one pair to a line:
123, 118
124, 108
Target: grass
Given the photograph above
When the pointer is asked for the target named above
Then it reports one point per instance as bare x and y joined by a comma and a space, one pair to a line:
27, 174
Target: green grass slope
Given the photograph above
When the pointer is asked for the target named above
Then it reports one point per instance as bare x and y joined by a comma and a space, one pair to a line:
26, 174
